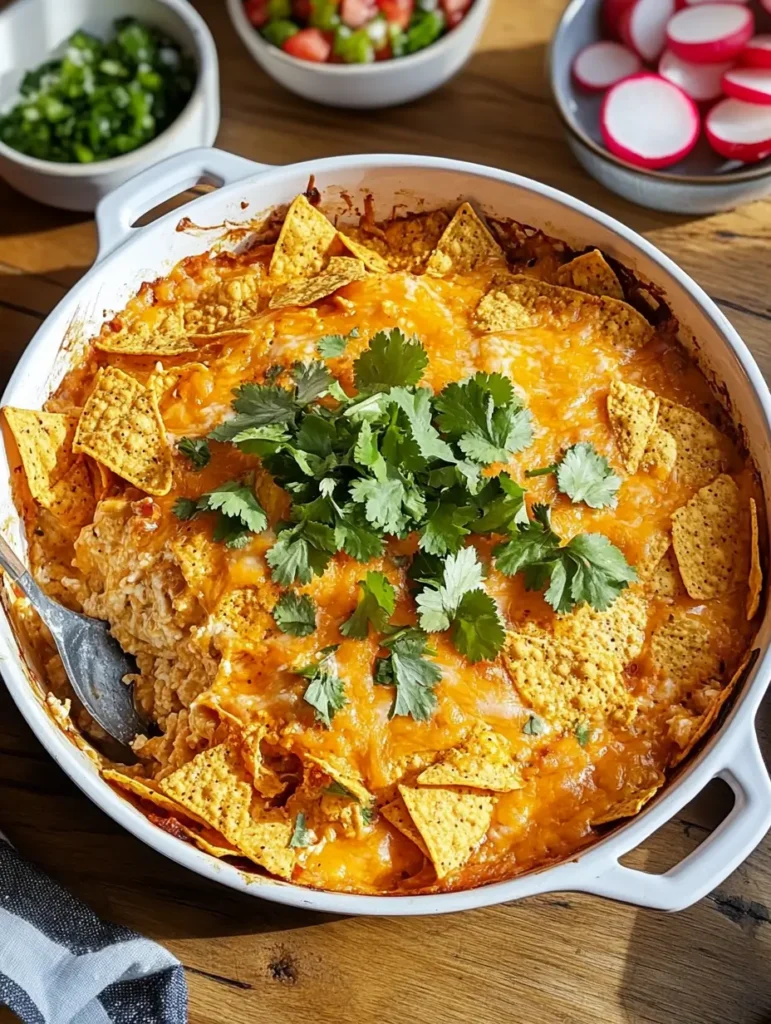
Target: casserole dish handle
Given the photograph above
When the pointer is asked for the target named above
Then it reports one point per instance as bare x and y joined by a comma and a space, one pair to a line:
119, 211
743, 768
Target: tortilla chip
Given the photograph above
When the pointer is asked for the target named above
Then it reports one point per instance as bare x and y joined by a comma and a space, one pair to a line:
411, 240
162, 381
210, 842
342, 270
146, 791
266, 781
629, 807
465, 244
755, 581
121, 427
619, 631
452, 822
655, 549
341, 774
397, 814
159, 332
217, 788
199, 558
484, 761
632, 412
591, 273
660, 453
680, 649
665, 582
304, 243
709, 536
702, 451
57, 478
516, 301
710, 716
372, 260
568, 682
102, 478
241, 620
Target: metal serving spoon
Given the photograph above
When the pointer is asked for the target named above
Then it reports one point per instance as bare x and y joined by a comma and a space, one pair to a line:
93, 658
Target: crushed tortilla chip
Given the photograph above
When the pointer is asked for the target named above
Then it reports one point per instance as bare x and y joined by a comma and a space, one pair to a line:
680, 649
210, 842
304, 243
665, 582
57, 478
216, 787
266, 781
341, 271
465, 244
660, 453
629, 807
397, 814
702, 452
710, 716
146, 791
164, 381
372, 260
120, 426
199, 558
619, 630
590, 273
709, 539
632, 412
341, 774
484, 761
452, 822
568, 682
755, 581
656, 547
241, 620
517, 301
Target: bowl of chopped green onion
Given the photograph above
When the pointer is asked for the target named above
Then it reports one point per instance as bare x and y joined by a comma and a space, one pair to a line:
360, 54
98, 89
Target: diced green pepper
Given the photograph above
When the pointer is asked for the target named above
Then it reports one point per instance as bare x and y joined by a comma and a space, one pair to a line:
279, 10
354, 47
277, 32
324, 15
425, 28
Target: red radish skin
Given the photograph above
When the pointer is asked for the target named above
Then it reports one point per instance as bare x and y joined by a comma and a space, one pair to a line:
710, 33
697, 3
649, 122
702, 82
739, 131
757, 52
601, 65
611, 15
766, 4
753, 85
643, 27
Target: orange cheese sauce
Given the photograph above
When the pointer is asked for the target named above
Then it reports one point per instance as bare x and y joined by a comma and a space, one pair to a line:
564, 377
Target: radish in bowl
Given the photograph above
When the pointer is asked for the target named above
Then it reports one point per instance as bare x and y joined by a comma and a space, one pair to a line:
757, 52
702, 82
739, 130
649, 121
710, 33
602, 64
643, 26
753, 85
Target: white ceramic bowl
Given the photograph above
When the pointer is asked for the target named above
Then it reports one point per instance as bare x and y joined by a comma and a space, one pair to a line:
32, 30
129, 256
366, 86
701, 183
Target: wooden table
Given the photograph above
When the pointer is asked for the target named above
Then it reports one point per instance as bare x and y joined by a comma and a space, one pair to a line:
557, 958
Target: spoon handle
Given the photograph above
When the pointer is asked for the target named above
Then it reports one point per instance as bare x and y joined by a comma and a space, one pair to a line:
19, 573
10, 561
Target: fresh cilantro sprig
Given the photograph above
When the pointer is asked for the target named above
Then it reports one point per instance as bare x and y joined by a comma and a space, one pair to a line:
585, 475
587, 569
295, 614
392, 360
333, 345
409, 669
325, 691
196, 449
301, 834
376, 606
485, 417
239, 513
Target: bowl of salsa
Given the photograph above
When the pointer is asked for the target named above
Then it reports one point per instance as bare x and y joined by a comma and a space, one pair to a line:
360, 53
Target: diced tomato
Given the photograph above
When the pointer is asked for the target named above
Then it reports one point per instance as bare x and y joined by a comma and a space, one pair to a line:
356, 13
256, 11
385, 54
398, 12
301, 9
309, 44
455, 11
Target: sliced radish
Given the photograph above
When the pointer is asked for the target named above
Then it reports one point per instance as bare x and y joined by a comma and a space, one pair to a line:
611, 12
766, 4
701, 81
753, 85
643, 26
710, 33
648, 121
757, 52
603, 64
695, 3
739, 131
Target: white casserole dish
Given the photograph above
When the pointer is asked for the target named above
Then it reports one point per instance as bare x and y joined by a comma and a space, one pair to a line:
128, 256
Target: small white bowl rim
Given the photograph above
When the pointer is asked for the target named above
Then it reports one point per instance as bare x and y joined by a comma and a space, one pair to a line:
204, 46
574, 128
381, 67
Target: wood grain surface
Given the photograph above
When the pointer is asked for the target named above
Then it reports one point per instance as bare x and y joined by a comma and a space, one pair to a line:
548, 960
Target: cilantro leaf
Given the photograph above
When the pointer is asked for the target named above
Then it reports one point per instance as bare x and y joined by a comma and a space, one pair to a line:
231, 532
256, 405
333, 345
185, 508
325, 691
312, 380
382, 501
533, 726
408, 669
509, 431
585, 475
356, 537
238, 501
502, 503
531, 544
601, 572
416, 406
392, 360
485, 417
295, 614
462, 573
583, 733
445, 528
301, 552
336, 788
376, 605
477, 630
301, 836
196, 449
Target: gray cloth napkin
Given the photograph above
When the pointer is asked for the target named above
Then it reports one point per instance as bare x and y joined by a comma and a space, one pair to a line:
61, 964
